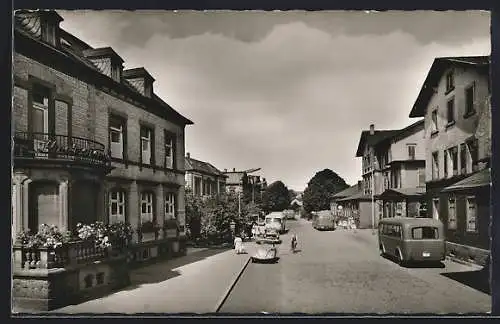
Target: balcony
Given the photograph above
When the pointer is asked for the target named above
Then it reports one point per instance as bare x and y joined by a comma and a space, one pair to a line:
52, 148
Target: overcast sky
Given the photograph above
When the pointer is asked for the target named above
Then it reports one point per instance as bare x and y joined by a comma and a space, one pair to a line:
289, 92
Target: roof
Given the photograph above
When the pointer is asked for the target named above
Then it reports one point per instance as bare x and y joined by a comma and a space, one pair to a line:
411, 221
74, 48
357, 196
347, 192
404, 132
403, 192
370, 140
438, 67
201, 166
479, 179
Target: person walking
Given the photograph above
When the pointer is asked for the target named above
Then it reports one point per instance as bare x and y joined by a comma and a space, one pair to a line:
294, 242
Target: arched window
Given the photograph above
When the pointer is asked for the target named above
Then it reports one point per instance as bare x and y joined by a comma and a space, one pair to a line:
117, 206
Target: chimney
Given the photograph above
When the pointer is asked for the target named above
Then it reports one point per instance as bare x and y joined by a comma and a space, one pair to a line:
360, 185
141, 80
42, 24
372, 129
225, 170
107, 61
188, 155
234, 169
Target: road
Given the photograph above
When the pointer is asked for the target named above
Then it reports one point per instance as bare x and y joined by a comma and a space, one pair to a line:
341, 272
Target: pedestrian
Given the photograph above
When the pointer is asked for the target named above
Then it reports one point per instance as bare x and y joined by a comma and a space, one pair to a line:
294, 242
238, 245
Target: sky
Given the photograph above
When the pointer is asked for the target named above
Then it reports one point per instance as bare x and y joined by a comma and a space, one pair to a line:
287, 92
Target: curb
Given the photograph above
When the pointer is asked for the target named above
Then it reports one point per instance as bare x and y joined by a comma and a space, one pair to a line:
456, 260
230, 288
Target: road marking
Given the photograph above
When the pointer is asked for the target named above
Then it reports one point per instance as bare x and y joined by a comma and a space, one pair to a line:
228, 291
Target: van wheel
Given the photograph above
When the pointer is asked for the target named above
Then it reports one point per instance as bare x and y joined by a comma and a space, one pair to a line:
381, 249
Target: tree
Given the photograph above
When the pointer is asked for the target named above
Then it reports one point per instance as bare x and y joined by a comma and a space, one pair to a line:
321, 187
276, 197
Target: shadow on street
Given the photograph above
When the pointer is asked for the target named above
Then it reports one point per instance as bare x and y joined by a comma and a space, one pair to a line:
476, 279
160, 271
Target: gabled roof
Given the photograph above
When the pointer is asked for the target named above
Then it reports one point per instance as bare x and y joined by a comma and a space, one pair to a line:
202, 167
370, 140
346, 192
479, 179
357, 196
438, 67
404, 132
403, 192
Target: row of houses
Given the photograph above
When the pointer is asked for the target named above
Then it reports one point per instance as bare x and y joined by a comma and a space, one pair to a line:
204, 179
439, 166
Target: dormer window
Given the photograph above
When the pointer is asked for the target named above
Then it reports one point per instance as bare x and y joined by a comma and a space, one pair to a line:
43, 24
141, 80
107, 61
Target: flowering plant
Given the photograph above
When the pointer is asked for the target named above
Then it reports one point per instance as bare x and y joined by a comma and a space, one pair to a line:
97, 232
48, 236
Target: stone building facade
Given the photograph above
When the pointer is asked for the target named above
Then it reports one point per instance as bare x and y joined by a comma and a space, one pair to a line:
92, 141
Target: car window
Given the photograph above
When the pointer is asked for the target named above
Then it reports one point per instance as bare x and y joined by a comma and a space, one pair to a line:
425, 233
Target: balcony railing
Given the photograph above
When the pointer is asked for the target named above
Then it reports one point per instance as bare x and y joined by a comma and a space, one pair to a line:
43, 146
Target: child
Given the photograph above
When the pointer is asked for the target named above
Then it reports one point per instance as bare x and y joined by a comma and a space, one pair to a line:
294, 242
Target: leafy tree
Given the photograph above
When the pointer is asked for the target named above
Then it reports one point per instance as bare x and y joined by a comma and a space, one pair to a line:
321, 187
194, 213
276, 197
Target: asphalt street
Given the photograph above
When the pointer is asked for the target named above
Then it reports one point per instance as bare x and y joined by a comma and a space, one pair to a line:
341, 271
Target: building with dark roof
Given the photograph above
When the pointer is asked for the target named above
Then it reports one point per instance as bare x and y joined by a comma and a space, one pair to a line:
455, 103
203, 179
92, 141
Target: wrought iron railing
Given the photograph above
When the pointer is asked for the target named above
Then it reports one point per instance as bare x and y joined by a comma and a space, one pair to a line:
29, 145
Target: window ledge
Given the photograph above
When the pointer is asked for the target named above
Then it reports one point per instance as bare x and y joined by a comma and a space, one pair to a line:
434, 133
450, 124
469, 114
449, 90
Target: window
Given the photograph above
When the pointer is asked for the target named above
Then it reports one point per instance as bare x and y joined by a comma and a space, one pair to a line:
146, 145
116, 136
422, 209
170, 206
452, 213
450, 81
453, 154
169, 150
40, 112
425, 233
471, 214
434, 117
147, 207
446, 163
435, 165
463, 158
421, 177
117, 206
197, 186
469, 101
411, 151
450, 111
472, 156
435, 208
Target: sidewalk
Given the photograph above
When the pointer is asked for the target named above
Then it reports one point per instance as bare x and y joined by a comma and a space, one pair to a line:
195, 283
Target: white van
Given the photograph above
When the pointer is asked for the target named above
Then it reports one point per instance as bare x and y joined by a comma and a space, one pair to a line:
276, 220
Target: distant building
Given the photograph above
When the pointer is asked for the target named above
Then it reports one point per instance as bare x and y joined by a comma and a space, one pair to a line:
234, 181
455, 102
372, 174
343, 207
402, 161
202, 178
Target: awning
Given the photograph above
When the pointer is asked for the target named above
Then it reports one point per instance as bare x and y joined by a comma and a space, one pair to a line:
358, 196
402, 193
479, 179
